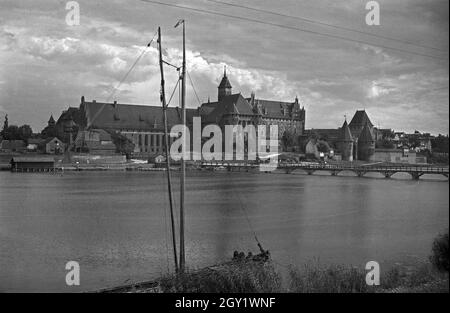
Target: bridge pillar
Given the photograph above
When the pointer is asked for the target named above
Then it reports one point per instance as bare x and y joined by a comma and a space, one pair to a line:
416, 175
310, 172
335, 172
388, 174
360, 173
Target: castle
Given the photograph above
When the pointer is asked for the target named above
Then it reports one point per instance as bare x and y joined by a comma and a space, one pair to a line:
143, 125
235, 109
353, 141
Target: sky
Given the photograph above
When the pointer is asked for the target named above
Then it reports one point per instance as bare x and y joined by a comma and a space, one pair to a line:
46, 65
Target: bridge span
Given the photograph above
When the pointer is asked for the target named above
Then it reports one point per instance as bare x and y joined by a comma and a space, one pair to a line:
386, 169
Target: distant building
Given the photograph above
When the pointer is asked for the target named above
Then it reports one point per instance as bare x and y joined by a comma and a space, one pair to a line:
33, 144
94, 141
31, 164
54, 146
50, 129
143, 124
353, 141
235, 109
398, 156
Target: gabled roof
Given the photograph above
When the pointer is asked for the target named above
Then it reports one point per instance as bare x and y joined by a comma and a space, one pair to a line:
224, 83
346, 134
232, 104
130, 116
360, 119
277, 109
53, 138
366, 134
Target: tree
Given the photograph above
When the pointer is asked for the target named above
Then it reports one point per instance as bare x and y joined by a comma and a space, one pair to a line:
11, 133
440, 144
288, 139
5, 126
323, 146
25, 132
122, 143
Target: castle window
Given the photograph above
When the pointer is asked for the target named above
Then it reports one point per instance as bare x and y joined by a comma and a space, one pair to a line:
146, 141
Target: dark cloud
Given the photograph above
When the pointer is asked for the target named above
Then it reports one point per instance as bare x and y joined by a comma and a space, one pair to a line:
47, 65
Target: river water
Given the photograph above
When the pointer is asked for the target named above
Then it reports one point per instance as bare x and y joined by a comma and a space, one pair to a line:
116, 224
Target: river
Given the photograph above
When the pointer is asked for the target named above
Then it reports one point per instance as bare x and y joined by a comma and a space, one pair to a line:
116, 224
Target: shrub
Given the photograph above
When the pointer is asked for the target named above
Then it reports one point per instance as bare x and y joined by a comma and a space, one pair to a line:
440, 253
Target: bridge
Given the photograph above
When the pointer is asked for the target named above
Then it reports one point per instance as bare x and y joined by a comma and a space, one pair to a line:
386, 169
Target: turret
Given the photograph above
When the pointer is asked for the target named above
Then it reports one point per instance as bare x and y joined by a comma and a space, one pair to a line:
366, 144
224, 88
51, 122
345, 143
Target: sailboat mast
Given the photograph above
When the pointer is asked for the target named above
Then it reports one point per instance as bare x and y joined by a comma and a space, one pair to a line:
183, 166
166, 143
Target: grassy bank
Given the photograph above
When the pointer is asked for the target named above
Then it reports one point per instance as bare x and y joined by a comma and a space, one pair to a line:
309, 278
254, 277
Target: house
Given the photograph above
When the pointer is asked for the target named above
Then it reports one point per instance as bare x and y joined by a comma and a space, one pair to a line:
54, 146
94, 141
398, 156
157, 159
34, 144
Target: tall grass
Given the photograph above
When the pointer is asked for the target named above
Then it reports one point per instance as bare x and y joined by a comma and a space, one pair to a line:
256, 277
241, 277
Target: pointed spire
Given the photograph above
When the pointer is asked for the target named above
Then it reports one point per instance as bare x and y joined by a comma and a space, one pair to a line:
51, 120
346, 134
224, 71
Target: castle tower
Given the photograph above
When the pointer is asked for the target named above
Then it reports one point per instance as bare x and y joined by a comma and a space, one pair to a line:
51, 121
345, 143
224, 86
366, 144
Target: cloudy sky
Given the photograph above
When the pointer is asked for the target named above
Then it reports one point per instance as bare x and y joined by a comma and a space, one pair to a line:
47, 65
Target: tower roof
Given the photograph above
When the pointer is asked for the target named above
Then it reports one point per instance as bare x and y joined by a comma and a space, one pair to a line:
360, 119
51, 120
366, 134
346, 134
225, 83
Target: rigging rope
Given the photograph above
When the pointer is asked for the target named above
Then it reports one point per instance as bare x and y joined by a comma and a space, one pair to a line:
193, 88
165, 230
144, 50
173, 92
247, 218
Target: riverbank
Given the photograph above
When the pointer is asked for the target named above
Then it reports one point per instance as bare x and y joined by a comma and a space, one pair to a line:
248, 277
